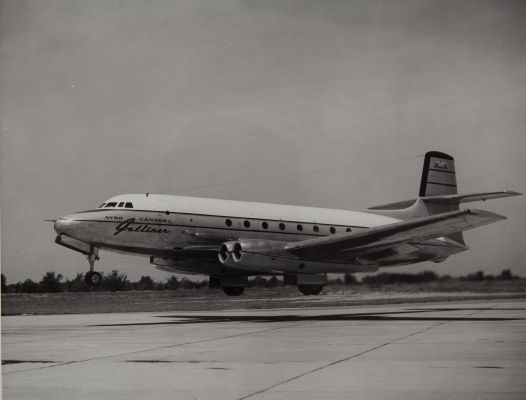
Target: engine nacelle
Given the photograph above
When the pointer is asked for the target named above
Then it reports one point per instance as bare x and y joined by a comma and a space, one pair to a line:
235, 253
271, 256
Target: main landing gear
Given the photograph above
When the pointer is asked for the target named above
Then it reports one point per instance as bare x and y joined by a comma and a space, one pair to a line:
308, 284
92, 277
233, 290
231, 285
310, 289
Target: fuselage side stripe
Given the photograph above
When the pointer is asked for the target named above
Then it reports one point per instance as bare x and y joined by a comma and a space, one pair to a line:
219, 228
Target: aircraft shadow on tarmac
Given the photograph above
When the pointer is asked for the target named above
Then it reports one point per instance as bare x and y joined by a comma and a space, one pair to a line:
393, 316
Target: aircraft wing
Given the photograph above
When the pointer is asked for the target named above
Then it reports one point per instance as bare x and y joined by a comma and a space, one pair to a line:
386, 236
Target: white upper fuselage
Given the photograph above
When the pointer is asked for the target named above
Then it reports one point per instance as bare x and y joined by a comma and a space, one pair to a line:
251, 210
153, 224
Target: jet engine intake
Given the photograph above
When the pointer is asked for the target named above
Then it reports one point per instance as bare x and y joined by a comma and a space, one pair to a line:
225, 252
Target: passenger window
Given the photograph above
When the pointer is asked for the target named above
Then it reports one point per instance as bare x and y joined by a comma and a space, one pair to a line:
228, 222
348, 230
282, 226
128, 205
299, 227
264, 224
121, 204
315, 228
333, 230
246, 224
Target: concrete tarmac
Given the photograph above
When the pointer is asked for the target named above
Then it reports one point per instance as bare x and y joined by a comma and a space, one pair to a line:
457, 350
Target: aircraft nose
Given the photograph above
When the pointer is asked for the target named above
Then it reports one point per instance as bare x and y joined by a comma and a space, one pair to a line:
64, 225
76, 226
58, 226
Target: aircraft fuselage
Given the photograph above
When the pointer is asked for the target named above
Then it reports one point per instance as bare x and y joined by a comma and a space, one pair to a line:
185, 227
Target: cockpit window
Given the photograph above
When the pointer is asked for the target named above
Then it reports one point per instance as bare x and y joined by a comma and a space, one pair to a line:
113, 204
128, 205
121, 204
102, 205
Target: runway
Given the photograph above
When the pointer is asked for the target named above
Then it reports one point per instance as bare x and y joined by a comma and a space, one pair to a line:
456, 350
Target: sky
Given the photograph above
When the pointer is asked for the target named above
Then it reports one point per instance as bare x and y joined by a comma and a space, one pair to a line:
319, 103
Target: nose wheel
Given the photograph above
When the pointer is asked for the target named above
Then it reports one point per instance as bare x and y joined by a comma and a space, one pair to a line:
92, 277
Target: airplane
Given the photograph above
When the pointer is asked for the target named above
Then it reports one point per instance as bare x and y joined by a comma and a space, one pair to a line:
232, 240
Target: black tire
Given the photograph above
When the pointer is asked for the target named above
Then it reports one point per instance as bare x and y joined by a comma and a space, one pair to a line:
93, 278
308, 290
233, 290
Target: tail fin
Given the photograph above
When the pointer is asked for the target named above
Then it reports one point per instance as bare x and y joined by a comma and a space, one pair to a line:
438, 186
439, 178
438, 194
438, 175
438, 191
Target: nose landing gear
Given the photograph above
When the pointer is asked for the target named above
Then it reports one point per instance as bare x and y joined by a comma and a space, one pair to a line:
92, 277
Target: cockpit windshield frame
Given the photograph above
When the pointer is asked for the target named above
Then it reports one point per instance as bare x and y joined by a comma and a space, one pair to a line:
116, 204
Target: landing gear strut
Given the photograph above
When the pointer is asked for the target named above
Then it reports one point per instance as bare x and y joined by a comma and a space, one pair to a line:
92, 277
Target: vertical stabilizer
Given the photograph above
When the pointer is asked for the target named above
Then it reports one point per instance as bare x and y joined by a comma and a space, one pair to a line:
438, 175
439, 178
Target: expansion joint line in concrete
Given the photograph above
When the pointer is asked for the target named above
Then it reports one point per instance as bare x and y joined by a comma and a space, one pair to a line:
342, 360
153, 349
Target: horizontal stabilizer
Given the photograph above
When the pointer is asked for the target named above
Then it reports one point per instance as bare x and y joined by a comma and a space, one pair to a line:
400, 205
381, 237
467, 198
448, 199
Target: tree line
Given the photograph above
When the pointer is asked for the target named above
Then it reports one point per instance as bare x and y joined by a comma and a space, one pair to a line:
427, 276
116, 281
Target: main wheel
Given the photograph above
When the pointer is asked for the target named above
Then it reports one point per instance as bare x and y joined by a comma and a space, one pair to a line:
93, 278
310, 289
233, 290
